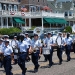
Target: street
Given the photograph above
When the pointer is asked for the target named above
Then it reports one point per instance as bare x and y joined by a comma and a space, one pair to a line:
66, 68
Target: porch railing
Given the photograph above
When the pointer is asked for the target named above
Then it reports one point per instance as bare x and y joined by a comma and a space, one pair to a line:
31, 14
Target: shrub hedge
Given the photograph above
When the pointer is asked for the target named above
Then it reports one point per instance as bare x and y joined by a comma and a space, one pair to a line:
68, 29
8, 31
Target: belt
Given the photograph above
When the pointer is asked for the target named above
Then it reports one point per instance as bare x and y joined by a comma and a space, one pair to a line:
7, 56
22, 52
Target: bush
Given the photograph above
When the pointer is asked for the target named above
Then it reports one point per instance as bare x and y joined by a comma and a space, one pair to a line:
32, 28
8, 31
68, 29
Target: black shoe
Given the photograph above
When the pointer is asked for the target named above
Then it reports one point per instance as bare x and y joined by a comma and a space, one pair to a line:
23, 74
49, 66
35, 70
11, 73
52, 63
60, 63
68, 60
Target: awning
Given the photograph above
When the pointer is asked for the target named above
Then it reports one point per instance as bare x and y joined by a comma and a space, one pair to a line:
59, 20
48, 20
18, 20
54, 20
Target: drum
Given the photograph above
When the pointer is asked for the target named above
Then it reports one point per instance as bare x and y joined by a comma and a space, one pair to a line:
46, 50
16, 51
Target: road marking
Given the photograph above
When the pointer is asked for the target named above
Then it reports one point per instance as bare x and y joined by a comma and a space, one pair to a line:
42, 64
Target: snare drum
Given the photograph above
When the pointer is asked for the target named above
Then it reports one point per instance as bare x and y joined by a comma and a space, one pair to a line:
46, 50
16, 51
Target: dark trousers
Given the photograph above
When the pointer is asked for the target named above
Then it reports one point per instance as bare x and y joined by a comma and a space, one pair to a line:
7, 65
35, 57
1, 63
50, 57
45, 56
68, 49
21, 62
59, 54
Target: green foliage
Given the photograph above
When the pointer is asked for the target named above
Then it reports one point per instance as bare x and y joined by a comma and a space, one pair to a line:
32, 28
68, 29
8, 31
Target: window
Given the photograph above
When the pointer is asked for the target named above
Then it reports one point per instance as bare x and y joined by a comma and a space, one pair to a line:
43, 0
4, 7
0, 7
74, 4
38, 0
10, 7
15, 7
19, 0
66, 13
38, 8
70, 13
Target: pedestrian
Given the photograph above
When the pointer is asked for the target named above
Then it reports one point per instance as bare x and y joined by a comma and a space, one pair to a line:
23, 46
49, 44
14, 45
7, 51
1, 55
44, 40
28, 40
36, 51
68, 44
60, 43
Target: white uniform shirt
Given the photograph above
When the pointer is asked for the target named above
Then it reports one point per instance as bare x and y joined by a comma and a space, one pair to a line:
23, 46
28, 40
14, 43
36, 43
1, 47
7, 50
68, 41
49, 42
44, 40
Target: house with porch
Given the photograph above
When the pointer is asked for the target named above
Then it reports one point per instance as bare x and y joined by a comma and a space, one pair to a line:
14, 13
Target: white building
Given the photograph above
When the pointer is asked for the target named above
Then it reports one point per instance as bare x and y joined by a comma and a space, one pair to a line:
10, 16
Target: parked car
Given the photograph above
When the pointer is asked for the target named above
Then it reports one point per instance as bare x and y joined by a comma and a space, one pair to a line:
30, 33
11, 36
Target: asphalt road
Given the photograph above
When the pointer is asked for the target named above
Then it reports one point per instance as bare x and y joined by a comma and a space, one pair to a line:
66, 68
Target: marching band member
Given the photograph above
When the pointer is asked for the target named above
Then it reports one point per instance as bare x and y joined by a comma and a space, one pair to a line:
27, 39
36, 51
49, 45
14, 44
63, 38
23, 46
44, 40
1, 56
6, 37
68, 43
7, 52
60, 43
